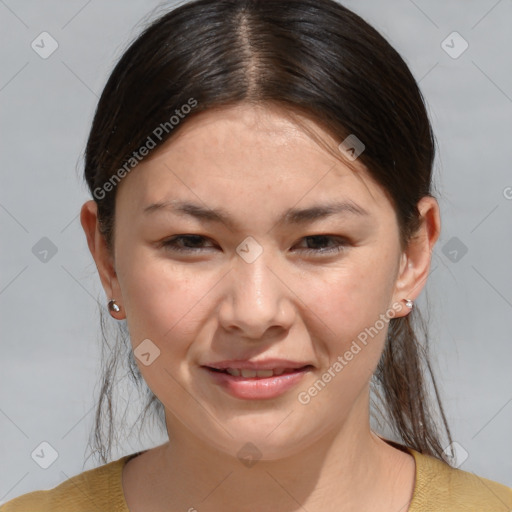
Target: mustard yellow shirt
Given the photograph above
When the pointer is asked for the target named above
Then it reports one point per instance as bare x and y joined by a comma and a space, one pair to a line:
438, 488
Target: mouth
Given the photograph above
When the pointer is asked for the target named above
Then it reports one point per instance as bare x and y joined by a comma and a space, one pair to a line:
247, 373
257, 383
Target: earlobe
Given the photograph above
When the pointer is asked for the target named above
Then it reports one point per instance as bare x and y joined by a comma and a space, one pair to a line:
99, 251
403, 294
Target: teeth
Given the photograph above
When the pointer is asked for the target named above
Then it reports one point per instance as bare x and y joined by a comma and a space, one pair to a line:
264, 373
235, 372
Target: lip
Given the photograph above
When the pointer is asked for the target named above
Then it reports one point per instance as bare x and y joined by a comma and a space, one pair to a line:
257, 388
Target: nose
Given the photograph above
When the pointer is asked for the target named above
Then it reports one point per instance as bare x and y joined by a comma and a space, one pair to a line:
257, 300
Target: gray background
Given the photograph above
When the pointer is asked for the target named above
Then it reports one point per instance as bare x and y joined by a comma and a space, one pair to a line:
49, 309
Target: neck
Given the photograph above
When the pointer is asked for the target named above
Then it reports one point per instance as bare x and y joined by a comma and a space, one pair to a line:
347, 469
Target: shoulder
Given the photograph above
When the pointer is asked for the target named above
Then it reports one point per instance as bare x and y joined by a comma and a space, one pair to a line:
93, 490
441, 487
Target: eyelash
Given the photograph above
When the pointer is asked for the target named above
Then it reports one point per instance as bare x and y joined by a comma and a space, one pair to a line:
170, 244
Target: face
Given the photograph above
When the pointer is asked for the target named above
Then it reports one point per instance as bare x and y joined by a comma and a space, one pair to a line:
250, 283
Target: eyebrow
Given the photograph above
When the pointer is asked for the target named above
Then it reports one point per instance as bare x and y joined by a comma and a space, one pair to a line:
295, 216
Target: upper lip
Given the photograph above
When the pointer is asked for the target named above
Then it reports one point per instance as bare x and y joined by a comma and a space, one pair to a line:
264, 364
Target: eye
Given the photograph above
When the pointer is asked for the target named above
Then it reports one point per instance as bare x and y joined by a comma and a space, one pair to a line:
192, 243
340, 244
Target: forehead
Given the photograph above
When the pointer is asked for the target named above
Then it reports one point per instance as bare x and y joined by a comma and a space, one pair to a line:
252, 153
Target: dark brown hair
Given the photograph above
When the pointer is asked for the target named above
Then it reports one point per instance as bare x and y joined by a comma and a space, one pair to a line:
312, 57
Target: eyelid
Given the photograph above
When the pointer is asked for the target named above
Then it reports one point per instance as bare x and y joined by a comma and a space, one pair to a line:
166, 243
341, 243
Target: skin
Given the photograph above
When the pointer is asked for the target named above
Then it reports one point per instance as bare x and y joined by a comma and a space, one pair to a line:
211, 305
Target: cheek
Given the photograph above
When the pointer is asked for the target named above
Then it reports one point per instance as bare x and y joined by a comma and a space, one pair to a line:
163, 304
350, 297
350, 309
163, 301
347, 314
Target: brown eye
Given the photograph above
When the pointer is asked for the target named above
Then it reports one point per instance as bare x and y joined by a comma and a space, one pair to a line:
184, 243
319, 243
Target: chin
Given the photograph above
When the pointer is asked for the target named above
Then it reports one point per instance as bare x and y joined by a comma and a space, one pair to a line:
252, 439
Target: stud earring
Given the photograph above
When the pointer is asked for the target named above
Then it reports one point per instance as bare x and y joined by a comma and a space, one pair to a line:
113, 307
409, 303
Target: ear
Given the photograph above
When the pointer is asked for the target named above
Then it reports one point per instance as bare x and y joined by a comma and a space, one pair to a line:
415, 260
103, 258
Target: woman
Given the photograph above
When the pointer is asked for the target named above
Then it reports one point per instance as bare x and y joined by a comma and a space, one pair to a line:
262, 218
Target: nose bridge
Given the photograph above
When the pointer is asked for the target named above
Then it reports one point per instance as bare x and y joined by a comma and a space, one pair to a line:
257, 299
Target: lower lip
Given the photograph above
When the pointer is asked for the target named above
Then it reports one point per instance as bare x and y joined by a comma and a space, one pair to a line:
258, 388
